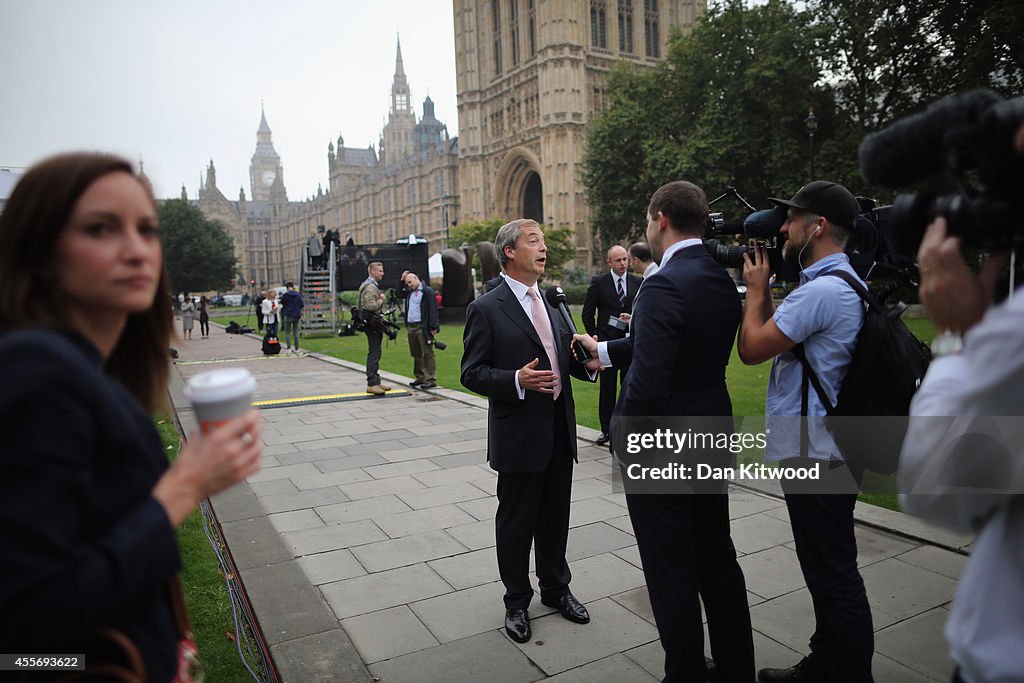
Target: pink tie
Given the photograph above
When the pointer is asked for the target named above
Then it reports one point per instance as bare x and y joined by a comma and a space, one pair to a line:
543, 325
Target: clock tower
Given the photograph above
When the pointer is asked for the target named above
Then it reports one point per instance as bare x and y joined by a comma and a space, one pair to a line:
266, 176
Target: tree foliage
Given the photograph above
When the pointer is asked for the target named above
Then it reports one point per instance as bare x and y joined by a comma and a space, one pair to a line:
198, 254
729, 103
559, 241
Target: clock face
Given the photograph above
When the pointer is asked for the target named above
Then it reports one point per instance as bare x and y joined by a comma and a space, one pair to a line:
268, 177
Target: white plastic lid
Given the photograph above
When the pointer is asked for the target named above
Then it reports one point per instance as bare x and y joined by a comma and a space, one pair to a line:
223, 384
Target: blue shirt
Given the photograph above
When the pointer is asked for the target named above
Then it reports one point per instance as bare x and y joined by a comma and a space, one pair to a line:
414, 310
825, 314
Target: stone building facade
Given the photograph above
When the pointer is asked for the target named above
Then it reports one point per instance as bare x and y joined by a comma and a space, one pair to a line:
531, 75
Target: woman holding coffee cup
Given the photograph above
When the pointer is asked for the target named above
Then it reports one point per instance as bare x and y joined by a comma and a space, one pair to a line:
88, 503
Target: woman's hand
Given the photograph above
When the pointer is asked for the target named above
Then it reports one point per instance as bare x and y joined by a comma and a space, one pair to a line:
210, 463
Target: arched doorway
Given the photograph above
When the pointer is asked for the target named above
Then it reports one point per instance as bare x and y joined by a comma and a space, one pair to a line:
518, 187
533, 198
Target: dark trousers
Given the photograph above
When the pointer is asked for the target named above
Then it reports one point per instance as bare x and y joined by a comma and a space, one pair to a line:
374, 341
204, 325
826, 546
686, 549
291, 332
533, 508
610, 379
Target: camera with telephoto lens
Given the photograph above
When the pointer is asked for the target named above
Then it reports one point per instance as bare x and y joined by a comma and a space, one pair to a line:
366, 321
436, 343
963, 144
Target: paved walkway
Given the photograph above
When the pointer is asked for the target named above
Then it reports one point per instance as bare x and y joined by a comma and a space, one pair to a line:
366, 546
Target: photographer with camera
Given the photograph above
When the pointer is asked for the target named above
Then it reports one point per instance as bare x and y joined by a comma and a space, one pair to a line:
820, 319
371, 300
965, 472
421, 325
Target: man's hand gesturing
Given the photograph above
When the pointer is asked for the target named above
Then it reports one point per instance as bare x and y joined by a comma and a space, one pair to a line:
542, 381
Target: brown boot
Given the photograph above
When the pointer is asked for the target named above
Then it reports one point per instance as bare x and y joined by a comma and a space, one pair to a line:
385, 387
375, 389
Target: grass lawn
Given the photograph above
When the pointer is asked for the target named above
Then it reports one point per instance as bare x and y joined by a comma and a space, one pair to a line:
747, 384
205, 594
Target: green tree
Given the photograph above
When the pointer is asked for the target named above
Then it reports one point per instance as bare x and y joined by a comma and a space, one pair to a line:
474, 231
198, 254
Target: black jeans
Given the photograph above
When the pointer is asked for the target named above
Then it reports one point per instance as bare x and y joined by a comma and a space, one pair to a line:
374, 341
826, 547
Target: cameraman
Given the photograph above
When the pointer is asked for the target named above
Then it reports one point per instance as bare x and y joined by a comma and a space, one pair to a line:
371, 300
824, 316
984, 378
421, 326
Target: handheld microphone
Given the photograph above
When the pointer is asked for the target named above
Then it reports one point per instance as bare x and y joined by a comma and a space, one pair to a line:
556, 297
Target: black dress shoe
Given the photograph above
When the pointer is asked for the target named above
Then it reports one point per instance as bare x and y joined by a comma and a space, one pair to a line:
428, 385
517, 625
570, 607
602, 439
415, 383
808, 670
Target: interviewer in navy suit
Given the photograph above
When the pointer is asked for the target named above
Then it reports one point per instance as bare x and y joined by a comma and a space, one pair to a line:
682, 330
513, 340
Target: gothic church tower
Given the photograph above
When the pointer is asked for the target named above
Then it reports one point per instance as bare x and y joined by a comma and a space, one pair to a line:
266, 175
397, 138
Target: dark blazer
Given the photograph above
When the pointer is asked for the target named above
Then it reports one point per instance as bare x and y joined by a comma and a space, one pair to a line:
602, 299
498, 340
85, 545
681, 337
428, 308
492, 284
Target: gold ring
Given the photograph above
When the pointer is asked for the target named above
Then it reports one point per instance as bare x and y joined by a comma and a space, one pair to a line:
247, 438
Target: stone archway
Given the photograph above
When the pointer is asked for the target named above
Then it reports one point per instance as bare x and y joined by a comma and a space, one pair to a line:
518, 186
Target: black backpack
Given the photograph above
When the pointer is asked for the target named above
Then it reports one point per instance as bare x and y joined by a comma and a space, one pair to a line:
888, 365
271, 346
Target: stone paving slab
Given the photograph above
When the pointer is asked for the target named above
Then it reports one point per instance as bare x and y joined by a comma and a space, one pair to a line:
378, 514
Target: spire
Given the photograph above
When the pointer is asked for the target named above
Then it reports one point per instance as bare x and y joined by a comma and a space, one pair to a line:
399, 68
264, 129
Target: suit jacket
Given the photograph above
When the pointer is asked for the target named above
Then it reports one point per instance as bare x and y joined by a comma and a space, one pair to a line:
603, 299
79, 458
681, 338
428, 309
498, 340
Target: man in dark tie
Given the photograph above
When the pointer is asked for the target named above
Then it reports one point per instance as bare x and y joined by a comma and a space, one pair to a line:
681, 337
517, 355
609, 296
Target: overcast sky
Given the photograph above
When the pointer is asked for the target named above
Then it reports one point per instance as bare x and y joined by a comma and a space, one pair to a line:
178, 83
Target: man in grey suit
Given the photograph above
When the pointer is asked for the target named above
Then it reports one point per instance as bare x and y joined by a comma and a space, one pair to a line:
517, 355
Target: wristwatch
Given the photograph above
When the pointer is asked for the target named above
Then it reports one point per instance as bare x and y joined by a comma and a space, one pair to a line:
947, 344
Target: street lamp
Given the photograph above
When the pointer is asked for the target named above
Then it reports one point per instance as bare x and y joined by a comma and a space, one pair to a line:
812, 125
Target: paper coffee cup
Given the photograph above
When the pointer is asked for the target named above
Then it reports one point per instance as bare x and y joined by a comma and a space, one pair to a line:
219, 395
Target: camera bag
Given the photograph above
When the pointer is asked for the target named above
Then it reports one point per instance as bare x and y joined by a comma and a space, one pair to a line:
271, 346
888, 365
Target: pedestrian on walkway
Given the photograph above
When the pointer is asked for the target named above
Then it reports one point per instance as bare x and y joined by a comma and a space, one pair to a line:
188, 316
204, 317
88, 502
291, 310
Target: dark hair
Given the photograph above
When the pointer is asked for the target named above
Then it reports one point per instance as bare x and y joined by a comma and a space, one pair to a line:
684, 204
641, 251
35, 215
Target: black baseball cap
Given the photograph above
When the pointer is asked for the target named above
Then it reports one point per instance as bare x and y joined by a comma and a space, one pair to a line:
828, 199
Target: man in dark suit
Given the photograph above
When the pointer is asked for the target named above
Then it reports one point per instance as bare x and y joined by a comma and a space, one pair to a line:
517, 355
682, 330
610, 295
421, 325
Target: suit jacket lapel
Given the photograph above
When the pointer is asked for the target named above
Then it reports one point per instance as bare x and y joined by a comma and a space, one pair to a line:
514, 310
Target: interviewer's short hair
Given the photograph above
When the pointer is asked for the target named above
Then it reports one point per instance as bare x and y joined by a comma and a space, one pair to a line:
641, 251
684, 204
508, 235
